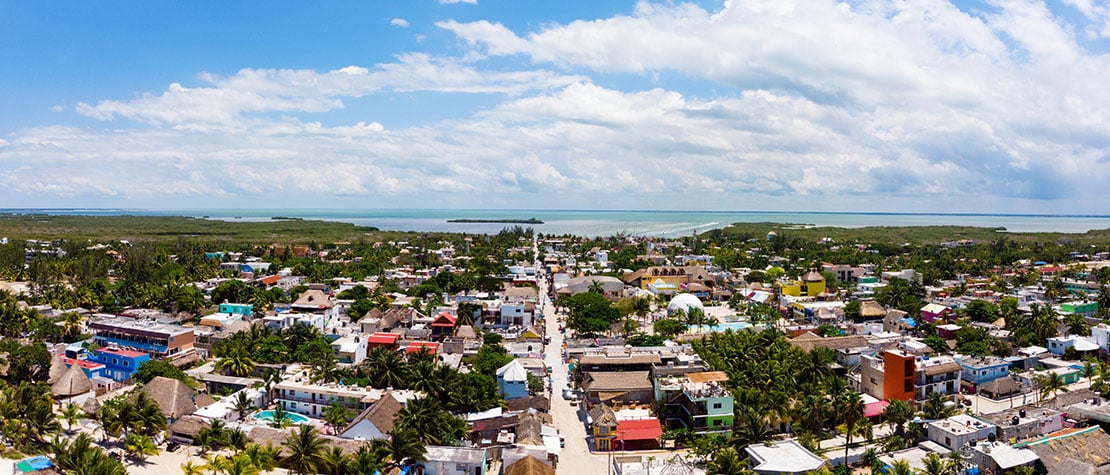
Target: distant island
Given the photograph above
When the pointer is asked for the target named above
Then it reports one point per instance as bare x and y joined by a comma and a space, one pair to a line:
509, 221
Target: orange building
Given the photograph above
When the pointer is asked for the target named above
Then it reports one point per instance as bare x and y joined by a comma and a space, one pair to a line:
898, 376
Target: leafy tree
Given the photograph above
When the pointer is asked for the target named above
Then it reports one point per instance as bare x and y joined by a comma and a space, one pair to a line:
493, 339
26, 362
669, 327
936, 343
151, 369
905, 295
981, 311
589, 313
490, 358
643, 339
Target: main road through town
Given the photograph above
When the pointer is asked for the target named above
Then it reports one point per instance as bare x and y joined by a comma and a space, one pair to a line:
575, 458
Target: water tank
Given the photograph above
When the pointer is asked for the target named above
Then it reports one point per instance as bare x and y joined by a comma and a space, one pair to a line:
1015, 421
1021, 413
992, 437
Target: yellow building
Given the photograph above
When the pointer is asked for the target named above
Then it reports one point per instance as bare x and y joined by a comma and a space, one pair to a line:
811, 285
667, 280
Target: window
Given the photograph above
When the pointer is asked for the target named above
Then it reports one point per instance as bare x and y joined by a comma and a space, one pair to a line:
948, 441
718, 422
716, 405
126, 363
115, 361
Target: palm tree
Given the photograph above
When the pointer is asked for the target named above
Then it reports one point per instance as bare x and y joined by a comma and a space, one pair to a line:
237, 362
1041, 323
896, 414
752, 428
934, 465
726, 462
204, 440
849, 405
243, 405
70, 414
305, 448
334, 461
402, 447
240, 464
336, 417
270, 379
263, 456
900, 467
936, 407
1090, 366
236, 439
386, 368
281, 418
423, 378
190, 468
1051, 383
140, 446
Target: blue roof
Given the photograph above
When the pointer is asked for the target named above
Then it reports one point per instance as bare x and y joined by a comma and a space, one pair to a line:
910, 322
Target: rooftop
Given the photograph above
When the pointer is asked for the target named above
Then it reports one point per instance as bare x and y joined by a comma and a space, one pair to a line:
787, 456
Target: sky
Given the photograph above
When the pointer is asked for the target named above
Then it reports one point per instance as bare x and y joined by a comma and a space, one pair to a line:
999, 106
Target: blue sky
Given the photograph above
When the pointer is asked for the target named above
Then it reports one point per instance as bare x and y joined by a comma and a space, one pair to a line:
812, 105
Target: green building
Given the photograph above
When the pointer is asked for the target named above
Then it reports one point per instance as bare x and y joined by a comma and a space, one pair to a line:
1087, 309
697, 401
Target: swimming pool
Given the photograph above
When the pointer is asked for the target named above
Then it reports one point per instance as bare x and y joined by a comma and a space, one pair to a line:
734, 326
292, 417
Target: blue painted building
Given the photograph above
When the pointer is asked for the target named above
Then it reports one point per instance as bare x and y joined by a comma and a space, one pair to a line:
982, 369
119, 364
244, 309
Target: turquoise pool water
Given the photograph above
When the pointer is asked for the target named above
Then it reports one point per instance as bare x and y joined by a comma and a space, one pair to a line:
293, 417
734, 326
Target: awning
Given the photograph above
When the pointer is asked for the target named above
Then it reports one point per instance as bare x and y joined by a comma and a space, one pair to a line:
875, 409
607, 395
639, 429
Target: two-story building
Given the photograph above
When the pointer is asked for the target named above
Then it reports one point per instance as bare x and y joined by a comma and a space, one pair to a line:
311, 399
982, 369
350, 349
512, 380
119, 364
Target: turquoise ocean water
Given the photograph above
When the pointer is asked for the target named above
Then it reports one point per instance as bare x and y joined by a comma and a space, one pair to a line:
608, 222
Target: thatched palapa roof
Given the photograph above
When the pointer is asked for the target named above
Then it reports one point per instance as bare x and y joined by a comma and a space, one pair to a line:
173, 396
72, 383
529, 465
57, 369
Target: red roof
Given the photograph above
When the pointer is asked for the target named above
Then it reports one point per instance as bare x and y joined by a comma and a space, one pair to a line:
82, 363
639, 429
418, 346
875, 409
444, 319
383, 338
270, 280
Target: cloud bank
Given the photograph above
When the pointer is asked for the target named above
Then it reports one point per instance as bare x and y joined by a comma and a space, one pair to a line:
812, 105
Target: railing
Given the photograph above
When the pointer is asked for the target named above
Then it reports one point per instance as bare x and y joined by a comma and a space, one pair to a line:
320, 401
